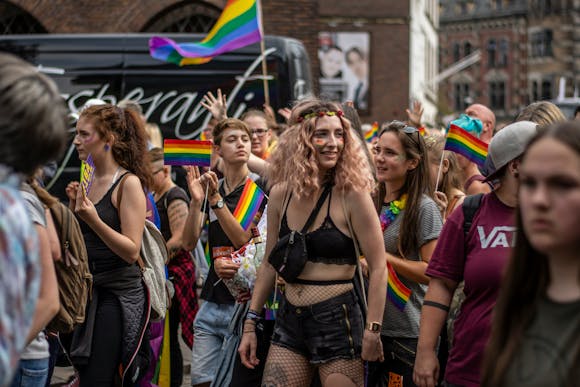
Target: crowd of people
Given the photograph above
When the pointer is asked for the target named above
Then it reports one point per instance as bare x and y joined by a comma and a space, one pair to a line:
391, 263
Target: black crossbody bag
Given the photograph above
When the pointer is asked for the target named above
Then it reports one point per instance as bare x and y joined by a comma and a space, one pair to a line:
290, 254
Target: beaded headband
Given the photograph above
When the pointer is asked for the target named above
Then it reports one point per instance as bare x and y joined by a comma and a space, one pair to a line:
308, 116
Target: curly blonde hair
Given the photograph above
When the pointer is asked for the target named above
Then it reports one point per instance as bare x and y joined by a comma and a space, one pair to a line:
294, 161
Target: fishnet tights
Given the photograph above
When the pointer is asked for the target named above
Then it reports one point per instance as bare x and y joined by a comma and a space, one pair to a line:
304, 295
285, 368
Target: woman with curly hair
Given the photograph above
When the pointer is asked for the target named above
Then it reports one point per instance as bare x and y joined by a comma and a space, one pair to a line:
319, 169
535, 338
105, 347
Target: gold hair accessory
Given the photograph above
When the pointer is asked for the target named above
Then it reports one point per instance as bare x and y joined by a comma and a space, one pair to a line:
321, 113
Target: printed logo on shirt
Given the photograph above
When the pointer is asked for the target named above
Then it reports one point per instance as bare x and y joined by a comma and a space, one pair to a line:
499, 236
221, 251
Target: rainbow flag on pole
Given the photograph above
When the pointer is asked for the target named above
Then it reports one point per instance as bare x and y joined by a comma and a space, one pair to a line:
397, 292
249, 204
187, 152
239, 25
372, 132
461, 141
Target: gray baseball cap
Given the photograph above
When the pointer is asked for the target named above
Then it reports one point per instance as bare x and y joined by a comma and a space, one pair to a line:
508, 144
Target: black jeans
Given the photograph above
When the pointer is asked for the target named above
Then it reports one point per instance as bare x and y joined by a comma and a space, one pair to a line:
106, 346
175, 349
399, 358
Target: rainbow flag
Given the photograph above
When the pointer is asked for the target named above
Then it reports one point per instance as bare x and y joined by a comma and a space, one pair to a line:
87, 173
239, 25
422, 131
249, 204
461, 141
397, 292
187, 152
372, 133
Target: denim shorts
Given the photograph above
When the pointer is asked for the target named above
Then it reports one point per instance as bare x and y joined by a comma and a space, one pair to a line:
31, 373
210, 332
321, 332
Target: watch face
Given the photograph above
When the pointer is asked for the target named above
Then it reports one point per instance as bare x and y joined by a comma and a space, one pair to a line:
220, 203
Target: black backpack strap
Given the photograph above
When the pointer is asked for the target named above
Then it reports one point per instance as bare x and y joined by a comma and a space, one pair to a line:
316, 209
470, 206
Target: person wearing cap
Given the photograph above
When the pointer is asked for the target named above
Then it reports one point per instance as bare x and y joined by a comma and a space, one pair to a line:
478, 257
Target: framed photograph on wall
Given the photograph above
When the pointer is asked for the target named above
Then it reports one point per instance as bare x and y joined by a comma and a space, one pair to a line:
344, 67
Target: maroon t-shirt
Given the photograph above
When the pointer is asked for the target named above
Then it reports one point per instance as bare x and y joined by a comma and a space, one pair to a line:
480, 263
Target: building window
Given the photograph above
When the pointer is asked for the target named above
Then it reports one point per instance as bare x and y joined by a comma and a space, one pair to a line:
546, 89
466, 48
15, 20
502, 59
491, 53
184, 18
542, 43
497, 95
456, 52
461, 96
535, 91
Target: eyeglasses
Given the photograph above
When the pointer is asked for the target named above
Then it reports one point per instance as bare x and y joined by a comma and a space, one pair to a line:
259, 132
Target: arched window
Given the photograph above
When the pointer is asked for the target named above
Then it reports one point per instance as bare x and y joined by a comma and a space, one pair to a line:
184, 17
456, 52
15, 20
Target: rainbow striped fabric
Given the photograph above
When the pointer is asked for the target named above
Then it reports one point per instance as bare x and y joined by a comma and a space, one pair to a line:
87, 173
460, 141
373, 132
397, 292
239, 25
249, 204
187, 152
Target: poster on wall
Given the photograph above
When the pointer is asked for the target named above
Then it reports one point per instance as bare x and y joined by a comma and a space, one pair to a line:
344, 67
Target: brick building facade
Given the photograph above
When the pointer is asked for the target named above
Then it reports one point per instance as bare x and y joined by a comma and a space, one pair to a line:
387, 22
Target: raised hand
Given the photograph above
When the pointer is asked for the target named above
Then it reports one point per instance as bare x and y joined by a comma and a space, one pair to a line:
194, 184
414, 116
84, 208
215, 105
285, 112
441, 201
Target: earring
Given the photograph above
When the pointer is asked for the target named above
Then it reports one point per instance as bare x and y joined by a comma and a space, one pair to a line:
107, 147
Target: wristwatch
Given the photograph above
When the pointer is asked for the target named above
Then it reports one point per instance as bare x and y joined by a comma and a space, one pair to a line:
373, 326
218, 204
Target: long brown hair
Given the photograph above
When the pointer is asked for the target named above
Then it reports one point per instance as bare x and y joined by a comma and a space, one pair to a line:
525, 282
130, 146
417, 184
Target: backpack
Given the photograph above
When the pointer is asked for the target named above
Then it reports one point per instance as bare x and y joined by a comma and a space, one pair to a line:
72, 271
470, 206
151, 260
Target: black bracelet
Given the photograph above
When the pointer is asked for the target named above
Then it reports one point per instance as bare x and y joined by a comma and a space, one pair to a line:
437, 305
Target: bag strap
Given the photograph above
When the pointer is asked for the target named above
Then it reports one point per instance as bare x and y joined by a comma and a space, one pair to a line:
316, 208
470, 206
357, 250
119, 197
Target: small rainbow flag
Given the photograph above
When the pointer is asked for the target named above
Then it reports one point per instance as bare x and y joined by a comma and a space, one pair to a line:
239, 25
461, 141
422, 131
187, 152
372, 133
249, 204
397, 292
87, 173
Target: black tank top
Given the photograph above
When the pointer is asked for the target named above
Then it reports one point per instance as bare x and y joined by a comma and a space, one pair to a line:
101, 257
327, 244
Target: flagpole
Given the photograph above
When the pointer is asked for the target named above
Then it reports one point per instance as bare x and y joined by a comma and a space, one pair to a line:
439, 170
264, 67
